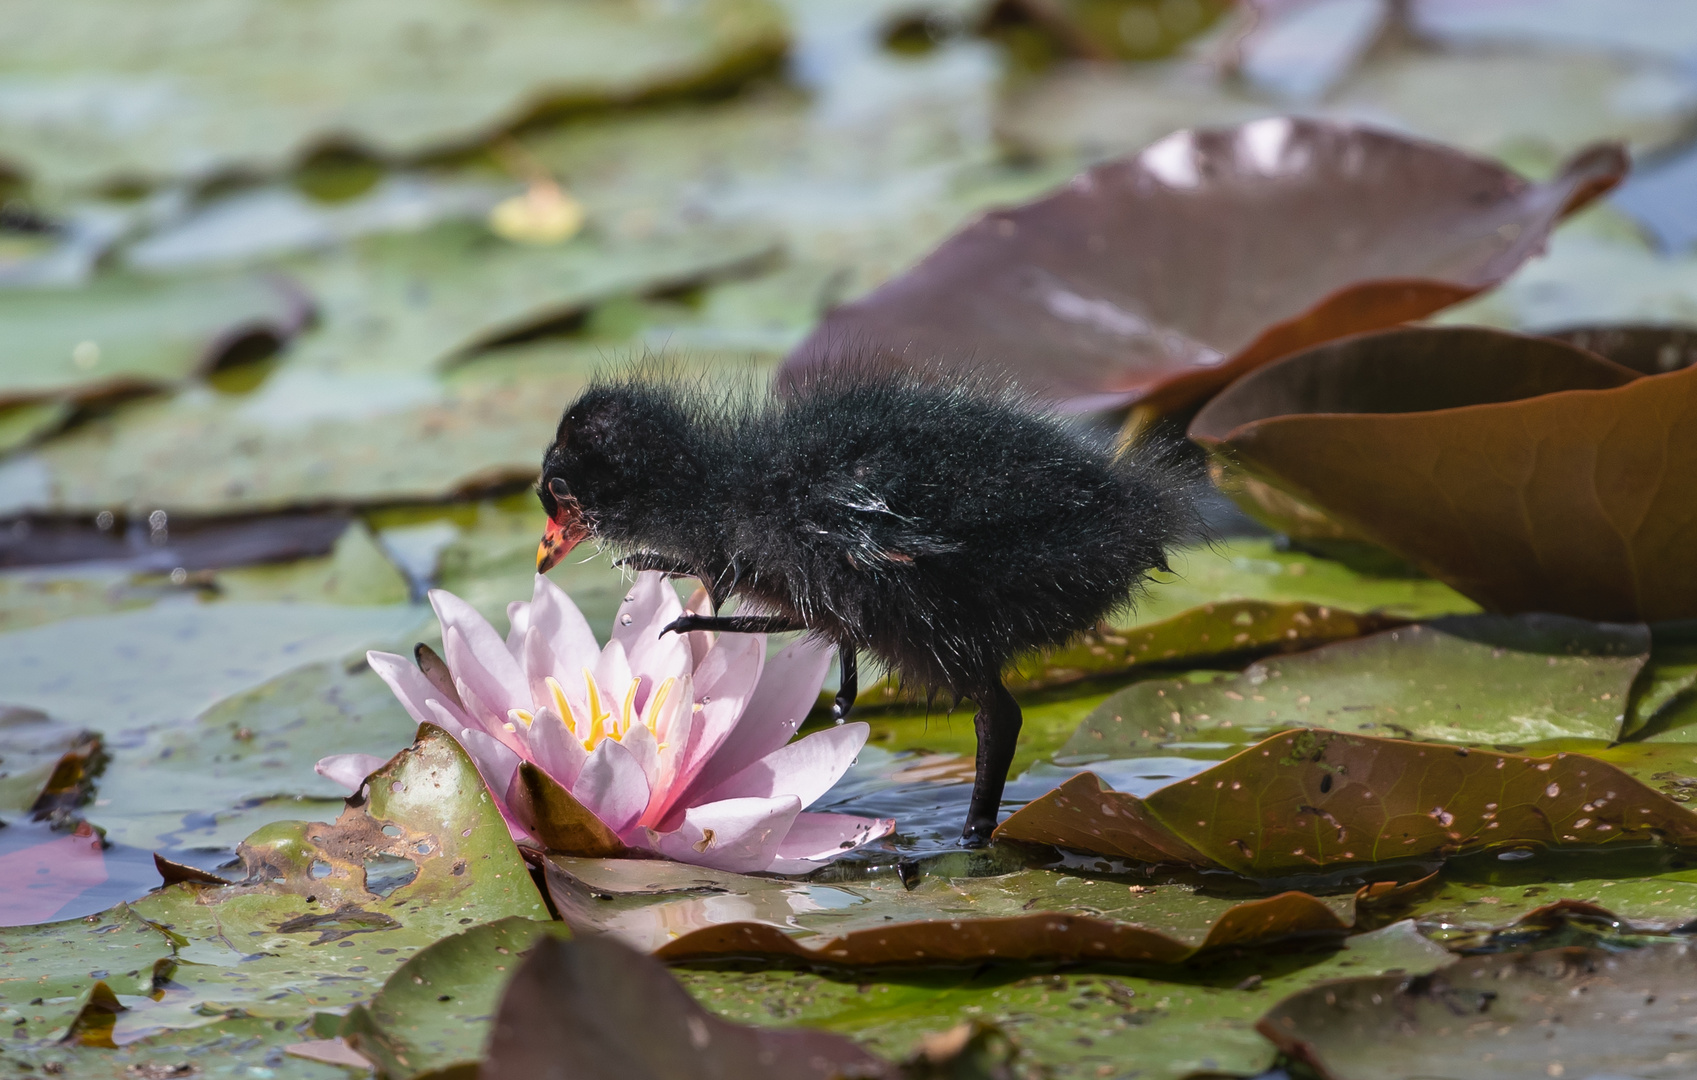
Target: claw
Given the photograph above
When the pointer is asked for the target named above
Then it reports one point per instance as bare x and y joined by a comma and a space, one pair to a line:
683, 624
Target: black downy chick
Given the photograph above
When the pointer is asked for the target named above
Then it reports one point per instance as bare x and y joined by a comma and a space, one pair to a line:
942, 525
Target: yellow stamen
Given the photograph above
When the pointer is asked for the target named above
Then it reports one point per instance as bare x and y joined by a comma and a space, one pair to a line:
597, 715
627, 714
561, 706
519, 716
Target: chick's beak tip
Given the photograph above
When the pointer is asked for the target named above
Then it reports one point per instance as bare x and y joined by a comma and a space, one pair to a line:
558, 539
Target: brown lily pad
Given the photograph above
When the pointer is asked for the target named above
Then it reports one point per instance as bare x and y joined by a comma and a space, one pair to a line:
1310, 799
1040, 936
1560, 1012
1528, 475
616, 1014
1162, 276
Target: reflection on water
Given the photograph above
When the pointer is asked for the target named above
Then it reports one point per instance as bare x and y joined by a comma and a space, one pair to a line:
928, 794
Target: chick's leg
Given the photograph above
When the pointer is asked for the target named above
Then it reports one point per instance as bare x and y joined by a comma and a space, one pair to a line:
997, 723
731, 624
849, 685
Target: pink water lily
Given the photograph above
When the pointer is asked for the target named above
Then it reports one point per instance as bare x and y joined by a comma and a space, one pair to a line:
679, 744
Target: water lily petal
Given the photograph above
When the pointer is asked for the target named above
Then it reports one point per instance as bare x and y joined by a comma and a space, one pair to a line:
564, 628
724, 682
817, 838
348, 770
555, 749
613, 675
640, 742
540, 664
612, 786
788, 687
481, 717
805, 768
650, 604
496, 761
411, 687
478, 655
518, 624
739, 835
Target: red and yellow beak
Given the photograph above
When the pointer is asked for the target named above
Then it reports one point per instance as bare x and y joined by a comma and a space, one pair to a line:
566, 530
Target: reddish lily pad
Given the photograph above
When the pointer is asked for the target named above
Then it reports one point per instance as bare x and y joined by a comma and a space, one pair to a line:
1162, 276
1526, 474
1311, 799
39, 880
1560, 1012
616, 1014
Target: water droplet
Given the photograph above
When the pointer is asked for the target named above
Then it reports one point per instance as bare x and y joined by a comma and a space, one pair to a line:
626, 619
1553, 790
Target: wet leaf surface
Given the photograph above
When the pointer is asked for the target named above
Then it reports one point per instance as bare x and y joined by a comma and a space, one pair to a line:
322, 918
1580, 1012
1075, 1025
57, 962
1045, 291
934, 916
123, 334
194, 790
1310, 799
1213, 633
436, 1010
616, 1013
217, 89
1480, 679
1530, 477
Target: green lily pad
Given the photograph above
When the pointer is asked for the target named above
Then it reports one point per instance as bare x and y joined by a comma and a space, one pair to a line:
1313, 799
1216, 633
1472, 679
1508, 1015
329, 911
1658, 903
57, 963
195, 789
227, 1049
1665, 701
223, 89
317, 436
35, 598
417, 301
1079, 1026
356, 572
124, 334
161, 665
434, 1011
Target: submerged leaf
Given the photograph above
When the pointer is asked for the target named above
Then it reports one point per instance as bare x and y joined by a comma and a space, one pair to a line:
1529, 475
1310, 799
1139, 280
1467, 679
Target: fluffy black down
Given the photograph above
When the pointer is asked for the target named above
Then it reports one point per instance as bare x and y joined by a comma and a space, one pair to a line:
942, 525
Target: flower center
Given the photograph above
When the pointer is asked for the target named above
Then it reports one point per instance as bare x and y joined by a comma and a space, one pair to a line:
608, 718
